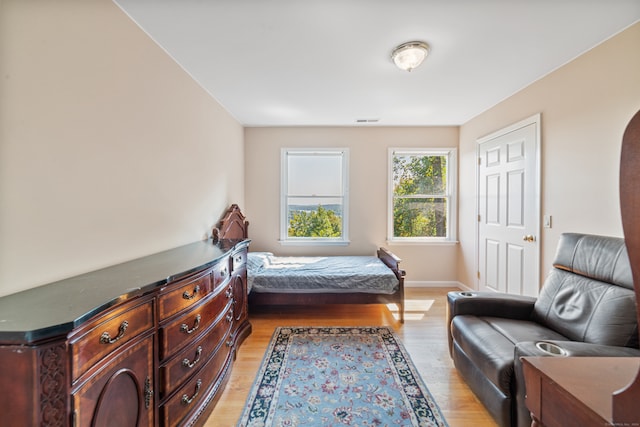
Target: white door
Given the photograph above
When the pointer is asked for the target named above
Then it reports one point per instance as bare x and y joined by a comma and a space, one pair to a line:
509, 209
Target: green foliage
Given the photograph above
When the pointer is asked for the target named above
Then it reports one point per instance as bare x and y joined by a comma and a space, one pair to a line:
318, 223
418, 211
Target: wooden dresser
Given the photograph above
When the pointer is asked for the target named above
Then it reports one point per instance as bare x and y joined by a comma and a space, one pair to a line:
149, 342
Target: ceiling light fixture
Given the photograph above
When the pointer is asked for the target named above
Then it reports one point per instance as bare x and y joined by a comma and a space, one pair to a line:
410, 55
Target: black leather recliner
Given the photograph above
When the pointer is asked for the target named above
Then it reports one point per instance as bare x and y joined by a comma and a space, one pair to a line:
586, 307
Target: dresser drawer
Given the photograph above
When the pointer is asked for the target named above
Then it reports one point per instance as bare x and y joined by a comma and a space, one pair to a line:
189, 396
183, 294
108, 333
189, 360
220, 272
238, 260
187, 328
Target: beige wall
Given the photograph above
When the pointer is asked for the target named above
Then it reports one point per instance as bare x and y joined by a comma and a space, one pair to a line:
585, 106
108, 149
368, 160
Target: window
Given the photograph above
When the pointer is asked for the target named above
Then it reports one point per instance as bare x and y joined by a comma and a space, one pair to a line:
422, 195
314, 196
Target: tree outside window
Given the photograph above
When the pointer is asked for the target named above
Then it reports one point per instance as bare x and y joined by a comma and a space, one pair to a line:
421, 199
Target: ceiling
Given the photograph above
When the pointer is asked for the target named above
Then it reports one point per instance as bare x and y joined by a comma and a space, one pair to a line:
327, 62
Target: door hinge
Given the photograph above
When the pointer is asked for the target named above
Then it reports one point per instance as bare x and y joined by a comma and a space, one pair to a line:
479, 218
478, 274
479, 160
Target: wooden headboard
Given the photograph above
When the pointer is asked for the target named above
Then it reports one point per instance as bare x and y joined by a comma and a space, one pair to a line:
232, 226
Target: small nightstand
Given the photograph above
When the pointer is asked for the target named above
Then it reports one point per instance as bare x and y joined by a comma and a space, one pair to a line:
576, 391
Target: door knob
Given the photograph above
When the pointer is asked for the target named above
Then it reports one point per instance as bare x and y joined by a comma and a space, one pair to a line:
529, 238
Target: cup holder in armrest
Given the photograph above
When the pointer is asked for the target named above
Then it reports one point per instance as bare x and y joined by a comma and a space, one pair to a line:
467, 294
551, 348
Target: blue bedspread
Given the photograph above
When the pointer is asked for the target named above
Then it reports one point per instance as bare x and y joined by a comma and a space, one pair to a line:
335, 274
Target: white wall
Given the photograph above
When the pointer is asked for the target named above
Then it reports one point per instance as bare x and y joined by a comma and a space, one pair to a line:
368, 160
108, 149
585, 107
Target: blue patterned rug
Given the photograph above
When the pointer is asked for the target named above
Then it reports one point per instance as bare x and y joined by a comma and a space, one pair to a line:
338, 376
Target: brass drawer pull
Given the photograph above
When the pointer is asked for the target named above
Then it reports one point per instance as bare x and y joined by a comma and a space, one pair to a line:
229, 293
187, 364
186, 400
187, 295
105, 338
185, 328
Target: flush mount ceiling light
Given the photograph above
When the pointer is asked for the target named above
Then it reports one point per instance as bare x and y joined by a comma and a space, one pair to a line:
410, 55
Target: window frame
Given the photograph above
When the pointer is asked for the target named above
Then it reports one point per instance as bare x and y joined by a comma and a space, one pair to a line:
451, 195
285, 239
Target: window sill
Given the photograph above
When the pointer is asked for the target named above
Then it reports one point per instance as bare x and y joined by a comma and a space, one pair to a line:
422, 242
314, 242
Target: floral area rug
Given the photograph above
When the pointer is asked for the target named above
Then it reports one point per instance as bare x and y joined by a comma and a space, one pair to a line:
338, 376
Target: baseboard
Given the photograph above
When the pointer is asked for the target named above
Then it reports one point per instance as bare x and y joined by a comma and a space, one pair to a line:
465, 288
434, 284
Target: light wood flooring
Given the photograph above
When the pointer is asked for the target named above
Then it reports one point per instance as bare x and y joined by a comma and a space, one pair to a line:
423, 335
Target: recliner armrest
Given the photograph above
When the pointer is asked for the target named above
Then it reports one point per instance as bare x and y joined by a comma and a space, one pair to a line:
486, 304
489, 304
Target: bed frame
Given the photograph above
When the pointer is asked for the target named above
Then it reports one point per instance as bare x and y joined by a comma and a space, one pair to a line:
234, 226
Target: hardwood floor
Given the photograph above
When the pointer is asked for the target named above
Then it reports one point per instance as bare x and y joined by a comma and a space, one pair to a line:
423, 335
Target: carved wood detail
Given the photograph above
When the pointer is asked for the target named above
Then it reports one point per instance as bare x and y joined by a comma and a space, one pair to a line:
53, 377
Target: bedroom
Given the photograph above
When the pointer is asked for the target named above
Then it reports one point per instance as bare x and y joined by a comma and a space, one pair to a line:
113, 99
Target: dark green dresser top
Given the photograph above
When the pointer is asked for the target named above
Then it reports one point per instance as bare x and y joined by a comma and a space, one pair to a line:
55, 309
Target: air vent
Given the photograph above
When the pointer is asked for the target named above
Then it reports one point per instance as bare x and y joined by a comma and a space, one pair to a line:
367, 120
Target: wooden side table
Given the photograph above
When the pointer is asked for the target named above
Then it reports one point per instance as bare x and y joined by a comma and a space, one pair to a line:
577, 391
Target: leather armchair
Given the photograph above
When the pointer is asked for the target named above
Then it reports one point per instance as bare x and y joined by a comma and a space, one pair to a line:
586, 307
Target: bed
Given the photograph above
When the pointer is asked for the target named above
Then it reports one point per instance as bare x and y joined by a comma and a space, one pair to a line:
288, 280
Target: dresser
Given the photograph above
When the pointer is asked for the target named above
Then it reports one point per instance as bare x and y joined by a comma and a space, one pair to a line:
149, 342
